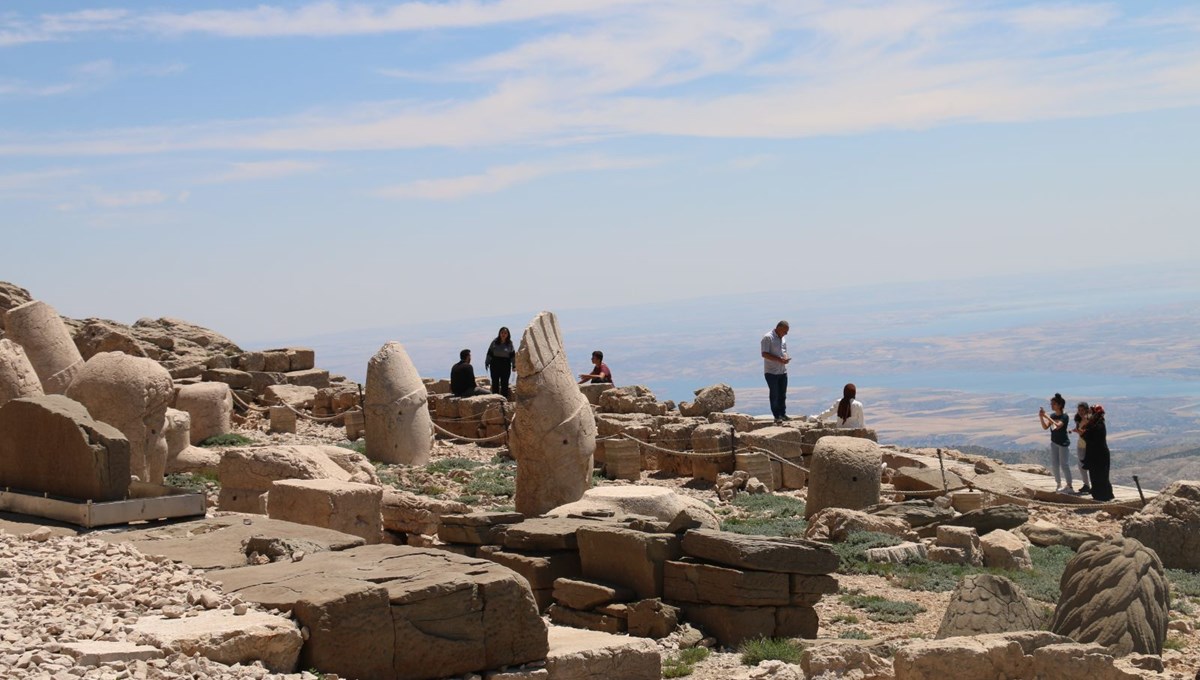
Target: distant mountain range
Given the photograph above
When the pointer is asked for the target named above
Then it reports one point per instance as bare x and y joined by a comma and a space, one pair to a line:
965, 363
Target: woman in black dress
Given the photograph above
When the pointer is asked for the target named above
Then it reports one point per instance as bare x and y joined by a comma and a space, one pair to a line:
1096, 435
499, 360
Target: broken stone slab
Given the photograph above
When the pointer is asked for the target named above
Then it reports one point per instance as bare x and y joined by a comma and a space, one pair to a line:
1001, 655
220, 542
543, 533
699, 583
394, 612
476, 528
412, 514
626, 557
396, 405
917, 513
711, 399
1004, 550
732, 626
903, 553
577, 654
835, 525
228, 638
51, 444
296, 396
924, 479
315, 378
983, 520
652, 618
40, 331
647, 501
541, 570
793, 556
553, 435
89, 653
590, 620
584, 595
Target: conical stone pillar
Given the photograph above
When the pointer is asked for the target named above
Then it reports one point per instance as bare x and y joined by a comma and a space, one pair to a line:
553, 435
41, 332
399, 429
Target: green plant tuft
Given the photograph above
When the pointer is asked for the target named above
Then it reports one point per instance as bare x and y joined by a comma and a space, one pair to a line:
1174, 642
683, 664
230, 439
500, 480
359, 446
445, 465
196, 482
880, 608
854, 634
757, 650
767, 515
1184, 582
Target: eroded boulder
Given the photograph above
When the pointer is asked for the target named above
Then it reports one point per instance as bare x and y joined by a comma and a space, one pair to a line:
1170, 526
711, 399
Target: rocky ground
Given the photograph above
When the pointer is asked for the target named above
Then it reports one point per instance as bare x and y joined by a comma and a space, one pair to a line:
58, 590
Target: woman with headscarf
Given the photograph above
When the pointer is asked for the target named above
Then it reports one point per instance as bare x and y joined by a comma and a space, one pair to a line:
1095, 433
500, 360
849, 411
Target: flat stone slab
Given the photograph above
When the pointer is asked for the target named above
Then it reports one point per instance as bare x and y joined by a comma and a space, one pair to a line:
544, 533
710, 584
578, 594
216, 542
94, 653
228, 638
395, 612
792, 556
577, 654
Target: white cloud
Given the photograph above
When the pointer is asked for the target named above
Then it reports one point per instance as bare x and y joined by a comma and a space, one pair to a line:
128, 199
260, 170
502, 177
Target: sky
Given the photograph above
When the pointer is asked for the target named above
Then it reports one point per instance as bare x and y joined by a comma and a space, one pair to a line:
279, 170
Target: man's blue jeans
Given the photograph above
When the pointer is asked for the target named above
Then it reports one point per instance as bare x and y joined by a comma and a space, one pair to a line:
777, 387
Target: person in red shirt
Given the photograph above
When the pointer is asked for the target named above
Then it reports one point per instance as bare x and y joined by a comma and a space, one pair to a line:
600, 372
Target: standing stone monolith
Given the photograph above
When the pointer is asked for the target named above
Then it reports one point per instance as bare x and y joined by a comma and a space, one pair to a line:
210, 406
17, 377
132, 395
51, 444
41, 332
553, 434
399, 429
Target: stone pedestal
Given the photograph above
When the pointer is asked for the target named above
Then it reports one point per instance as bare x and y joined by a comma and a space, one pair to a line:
845, 474
283, 420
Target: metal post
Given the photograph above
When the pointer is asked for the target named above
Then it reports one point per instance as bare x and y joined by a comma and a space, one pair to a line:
732, 440
942, 465
1139, 488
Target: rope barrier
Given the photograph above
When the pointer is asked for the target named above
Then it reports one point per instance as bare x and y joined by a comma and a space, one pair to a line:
248, 407
450, 435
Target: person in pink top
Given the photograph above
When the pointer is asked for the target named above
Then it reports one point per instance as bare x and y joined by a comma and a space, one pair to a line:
600, 372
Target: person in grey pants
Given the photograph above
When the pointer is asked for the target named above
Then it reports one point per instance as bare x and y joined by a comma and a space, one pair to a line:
1082, 411
1060, 443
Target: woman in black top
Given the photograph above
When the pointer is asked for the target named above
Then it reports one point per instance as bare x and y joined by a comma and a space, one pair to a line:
499, 360
1096, 435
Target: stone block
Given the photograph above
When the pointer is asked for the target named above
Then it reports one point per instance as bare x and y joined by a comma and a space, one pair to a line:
246, 475
584, 595
399, 613
238, 380
541, 570
566, 616
757, 465
348, 507
477, 528
297, 396
312, 377
543, 533
282, 419
89, 653
629, 558
210, 406
622, 460
51, 444
794, 475
1004, 550
301, 358
276, 361
261, 380
731, 626
577, 654
710, 584
252, 361
652, 618
759, 553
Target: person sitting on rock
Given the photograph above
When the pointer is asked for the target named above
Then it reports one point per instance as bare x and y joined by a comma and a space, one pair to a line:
462, 377
600, 372
849, 411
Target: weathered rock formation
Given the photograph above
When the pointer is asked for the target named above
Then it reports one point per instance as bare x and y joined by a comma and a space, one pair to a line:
659, 503
17, 377
399, 429
985, 603
40, 330
247, 474
50, 444
708, 400
1114, 594
132, 395
1170, 526
844, 474
554, 433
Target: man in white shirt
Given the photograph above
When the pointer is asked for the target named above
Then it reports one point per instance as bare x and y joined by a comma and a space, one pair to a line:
775, 361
